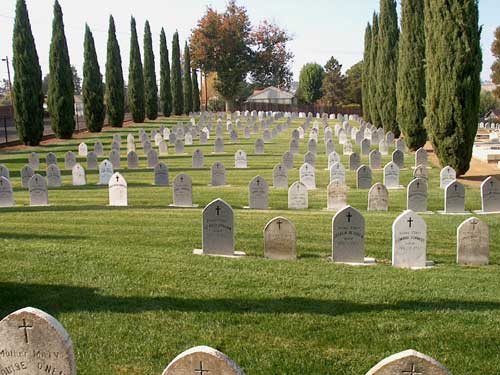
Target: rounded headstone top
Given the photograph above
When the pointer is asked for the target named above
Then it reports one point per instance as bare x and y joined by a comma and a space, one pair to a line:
408, 362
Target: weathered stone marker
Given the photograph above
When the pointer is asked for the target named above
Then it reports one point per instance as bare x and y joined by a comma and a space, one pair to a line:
280, 239
409, 362
473, 241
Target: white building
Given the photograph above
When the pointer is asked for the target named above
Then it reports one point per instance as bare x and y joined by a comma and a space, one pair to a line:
272, 95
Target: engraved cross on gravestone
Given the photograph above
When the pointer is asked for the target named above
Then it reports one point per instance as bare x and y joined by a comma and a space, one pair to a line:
25, 327
201, 371
412, 371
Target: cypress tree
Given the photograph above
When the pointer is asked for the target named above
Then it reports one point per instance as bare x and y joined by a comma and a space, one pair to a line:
411, 74
187, 83
495, 68
196, 92
366, 74
176, 81
27, 93
115, 87
150, 87
165, 88
135, 77
372, 73
93, 88
61, 101
453, 67
387, 65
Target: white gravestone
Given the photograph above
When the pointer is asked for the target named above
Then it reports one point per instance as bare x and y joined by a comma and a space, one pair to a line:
183, 191
280, 239
417, 195
454, 198
34, 161
473, 241
105, 172
391, 176
383, 147
348, 236
161, 174
378, 198
163, 148
240, 159
409, 362
26, 173
446, 176
421, 157
409, 241
117, 190
39, 195
258, 194
6, 194
490, 195
53, 174
38, 344
421, 172
337, 173
280, 177
78, 175
218, 174
198, 159
333, 158
308, 176
336, 196
298, 196
82, 149
364, 177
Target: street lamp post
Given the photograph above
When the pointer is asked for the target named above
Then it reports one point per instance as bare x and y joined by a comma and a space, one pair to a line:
6, 60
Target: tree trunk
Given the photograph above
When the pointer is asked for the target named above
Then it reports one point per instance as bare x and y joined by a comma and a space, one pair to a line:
206, 92
229, 105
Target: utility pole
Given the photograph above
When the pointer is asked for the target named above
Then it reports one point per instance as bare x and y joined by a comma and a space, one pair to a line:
6, 59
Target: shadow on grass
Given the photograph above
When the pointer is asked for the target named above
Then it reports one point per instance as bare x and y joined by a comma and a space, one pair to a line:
31, 236
57, 299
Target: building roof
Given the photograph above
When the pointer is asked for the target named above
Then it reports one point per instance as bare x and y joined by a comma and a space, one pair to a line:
270, 93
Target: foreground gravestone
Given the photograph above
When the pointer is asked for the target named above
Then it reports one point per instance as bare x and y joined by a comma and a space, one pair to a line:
280, 239
26, 173
91, 160
473, 242
39, 194
258, 194
218, 174
34, 343
409, 362
454, 198
308, 176
6, 194
198, 159
132, 160
409, 241
78, 175
51, 158
416, 197
202, 360
183, 191
161, 174
117, 190
53, 174
105, 172
490, 195
280, 177
378, 198
364, 177
446, 176
336, 195
240, 160
298, 196
391, 176
348, 236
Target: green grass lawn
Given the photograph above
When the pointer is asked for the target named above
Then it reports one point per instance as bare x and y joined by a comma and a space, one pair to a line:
127, 288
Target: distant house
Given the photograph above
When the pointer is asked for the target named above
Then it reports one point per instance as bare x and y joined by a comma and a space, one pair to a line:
493, 115
272, 95
488, 86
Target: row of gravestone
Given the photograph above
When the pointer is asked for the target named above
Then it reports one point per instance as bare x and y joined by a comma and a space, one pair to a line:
33, 342
409, 238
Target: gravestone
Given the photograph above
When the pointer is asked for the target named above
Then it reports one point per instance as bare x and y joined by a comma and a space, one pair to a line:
336, 196
4, 172
329, 146
401, 145
295, 134
312, 146
409, 362
389, 137
310, 158
39, 194
417, 195
354, 161
146, 147
333, 158
78, 175
202, 360
294, 146
258, 194
348, 236
391, 176
342, 137
473, 242
6, 194
183, 191
172, 138
287, 160
203, 138
298, 196
365, 146
280, 177
280, 239
454, 198
152, 158
117, 190
91, 160
421, 172
218, 229
82, 149
490, 195
163, 148
198, 159
161, 174
51, 158
383, 147
34, 161
378, 198
409, 239
69, 160
132, 160
363, 177
188, 139
114, 158
53, 174
233, 136
375, 158
219, 146
179, 147
26, 174
105, 172
116, 146
421, 157
266, 136
446, 176
337, 173
347, 148
240, 159
98, 148
35, 343
218, 174
130, 147
259, 147
308, 176
398, 158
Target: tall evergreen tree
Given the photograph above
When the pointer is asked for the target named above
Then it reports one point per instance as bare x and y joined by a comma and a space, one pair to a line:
495, 68
135, 77
115, 86
411, 74
165, 88
372, 73
176, 80
310, 83
387, 65
366, 73
150, 86
27, 91
61, 101
453, 67
187, 83
333, 87
93, 88
196, 92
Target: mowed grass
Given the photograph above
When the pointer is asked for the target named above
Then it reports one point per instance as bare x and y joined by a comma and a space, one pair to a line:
126, 286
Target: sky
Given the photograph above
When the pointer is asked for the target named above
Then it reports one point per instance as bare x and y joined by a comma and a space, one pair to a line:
320, 28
